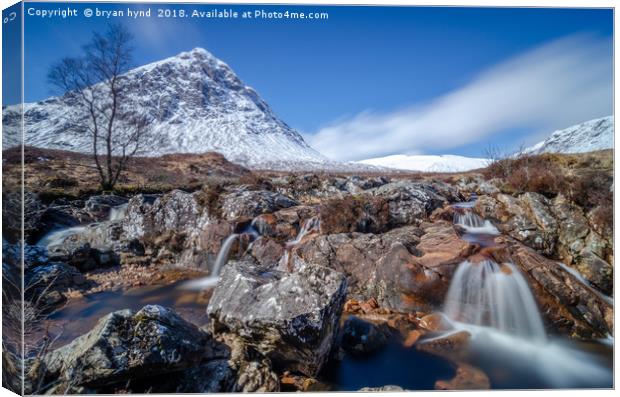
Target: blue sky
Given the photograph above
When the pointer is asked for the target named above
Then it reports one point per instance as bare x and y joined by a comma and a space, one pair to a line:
387, 79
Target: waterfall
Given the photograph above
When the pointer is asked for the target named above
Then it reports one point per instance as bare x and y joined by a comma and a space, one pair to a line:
220, 261
222, 256
472, 223
586, 283
56, 237
117, 213
311, 225
496, 296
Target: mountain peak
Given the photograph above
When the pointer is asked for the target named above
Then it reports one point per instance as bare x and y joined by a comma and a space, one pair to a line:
591, 135
195, 104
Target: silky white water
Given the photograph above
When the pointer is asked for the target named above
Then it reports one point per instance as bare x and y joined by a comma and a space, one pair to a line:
586, 283
472, 223
220, 261
56, 237
493, 295
309, 226
494, 304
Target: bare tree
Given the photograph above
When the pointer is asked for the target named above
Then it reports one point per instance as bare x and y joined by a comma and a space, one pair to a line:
99, 92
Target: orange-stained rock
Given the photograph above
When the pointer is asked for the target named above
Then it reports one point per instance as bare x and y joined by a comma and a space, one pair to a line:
412, 338
467, 378
369, 305
434, 322
452, 345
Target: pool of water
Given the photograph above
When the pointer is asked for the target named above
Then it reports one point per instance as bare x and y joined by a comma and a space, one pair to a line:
395, 364
80, 316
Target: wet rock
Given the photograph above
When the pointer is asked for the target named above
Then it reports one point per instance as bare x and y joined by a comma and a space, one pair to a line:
467, 377
251, 203
434, 322
82, 256
127, 345
361, 337
567, 304
452, 345
291, 318
267, 251
99, 207
596, 271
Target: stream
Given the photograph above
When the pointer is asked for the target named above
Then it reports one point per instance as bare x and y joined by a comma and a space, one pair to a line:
491, 301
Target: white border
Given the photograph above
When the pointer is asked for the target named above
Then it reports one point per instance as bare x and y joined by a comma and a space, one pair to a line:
448, 3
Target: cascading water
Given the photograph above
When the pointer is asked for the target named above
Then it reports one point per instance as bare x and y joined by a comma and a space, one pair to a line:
311, 225
220, 261
496, 296
58, 236
493, 302
472, 223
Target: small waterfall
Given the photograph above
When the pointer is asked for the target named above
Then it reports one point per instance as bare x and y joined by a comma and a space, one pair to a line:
117, 213
472, 223
56, 237
586, 283
222, 256
220, 261
495, 305
311, 225
496, 296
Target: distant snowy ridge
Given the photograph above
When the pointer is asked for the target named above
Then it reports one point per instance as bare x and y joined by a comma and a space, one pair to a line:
597, 134
428, 163
196, 104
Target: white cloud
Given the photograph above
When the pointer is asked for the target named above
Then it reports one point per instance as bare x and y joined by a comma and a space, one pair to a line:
553, 86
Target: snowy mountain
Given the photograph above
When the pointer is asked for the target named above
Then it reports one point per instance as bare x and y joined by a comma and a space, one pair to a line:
428, 163
195, 104
592, 135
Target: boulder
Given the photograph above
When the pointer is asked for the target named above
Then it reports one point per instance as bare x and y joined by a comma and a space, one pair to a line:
290, 318
402, 270
567, 304
127, 345
251, 203
410, 202
555, 228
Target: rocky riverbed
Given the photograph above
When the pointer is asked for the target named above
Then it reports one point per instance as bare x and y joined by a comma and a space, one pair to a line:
306, 282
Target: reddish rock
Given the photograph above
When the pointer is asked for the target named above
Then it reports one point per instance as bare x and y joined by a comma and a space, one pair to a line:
450, 345
412, 338
467, 378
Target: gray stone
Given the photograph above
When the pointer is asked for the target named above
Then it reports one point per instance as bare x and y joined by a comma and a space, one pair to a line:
291, 318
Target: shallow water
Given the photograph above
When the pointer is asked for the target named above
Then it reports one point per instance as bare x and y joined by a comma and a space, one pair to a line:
81, 315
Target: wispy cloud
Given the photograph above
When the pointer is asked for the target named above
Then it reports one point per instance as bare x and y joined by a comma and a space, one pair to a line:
553, 86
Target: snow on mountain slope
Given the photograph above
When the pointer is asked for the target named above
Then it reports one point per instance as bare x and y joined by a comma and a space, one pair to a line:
589, 136
428, 163
196, 104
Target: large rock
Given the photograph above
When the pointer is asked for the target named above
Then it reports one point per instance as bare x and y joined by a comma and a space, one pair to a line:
410, 203
555, 228
251, 203
128, 346
291, 318
566, 303
402, 270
